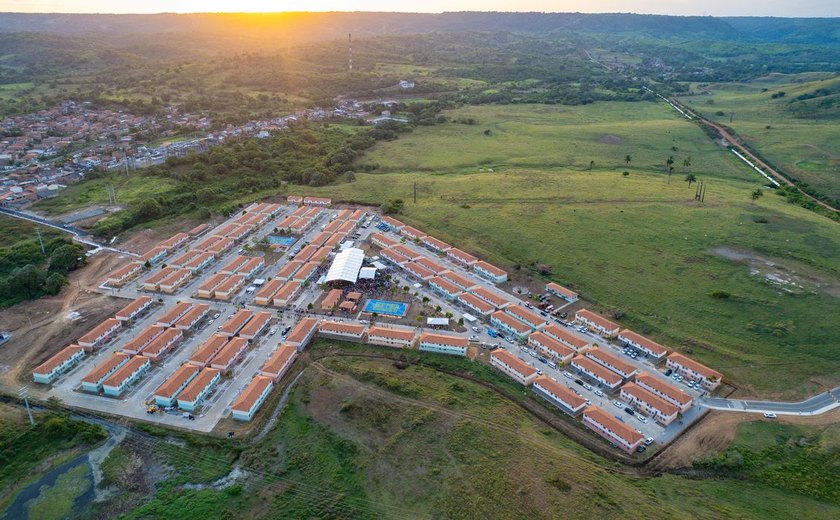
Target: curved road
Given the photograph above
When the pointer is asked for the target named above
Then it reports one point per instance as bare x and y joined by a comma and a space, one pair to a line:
816, 405
79, 235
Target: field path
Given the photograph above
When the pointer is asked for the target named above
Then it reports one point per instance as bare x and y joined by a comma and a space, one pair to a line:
736, 142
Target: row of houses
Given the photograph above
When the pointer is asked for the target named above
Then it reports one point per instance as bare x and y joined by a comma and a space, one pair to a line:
480, 267
709, 379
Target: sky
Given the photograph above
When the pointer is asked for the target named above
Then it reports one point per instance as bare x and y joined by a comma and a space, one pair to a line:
801, 8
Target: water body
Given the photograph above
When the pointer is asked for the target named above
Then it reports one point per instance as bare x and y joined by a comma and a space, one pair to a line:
278, 240
19, 509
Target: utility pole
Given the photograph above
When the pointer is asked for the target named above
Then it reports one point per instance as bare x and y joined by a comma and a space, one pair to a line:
41, 241
24, 394
731, 116
415, 192
350, 53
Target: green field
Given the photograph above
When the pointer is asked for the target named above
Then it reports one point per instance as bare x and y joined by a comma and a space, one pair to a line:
361, 438
130, 190
552, 136
634, 244
802, 137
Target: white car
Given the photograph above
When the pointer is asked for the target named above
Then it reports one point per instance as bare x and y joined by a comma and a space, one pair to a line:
587, 386
618, 404
272, 332
567, 374
642, 418
770, 415
599, 393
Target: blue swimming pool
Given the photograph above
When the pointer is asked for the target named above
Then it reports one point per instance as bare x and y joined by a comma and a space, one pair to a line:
278, 240
386, 308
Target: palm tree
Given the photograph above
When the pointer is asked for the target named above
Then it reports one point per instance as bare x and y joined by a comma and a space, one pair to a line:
686, 163
670, 161
670, 171
757, 194
591, 164
627, 160
690, 178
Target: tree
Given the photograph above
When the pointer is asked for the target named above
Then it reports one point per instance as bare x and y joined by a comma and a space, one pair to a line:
627, 160
686, 163
757, 194
349, 176
690, 179
591, 164
54, 283
670, 162
66, 258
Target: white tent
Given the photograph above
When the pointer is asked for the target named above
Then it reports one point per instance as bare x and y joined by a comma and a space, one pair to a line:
346, 265
437, 321
367, 273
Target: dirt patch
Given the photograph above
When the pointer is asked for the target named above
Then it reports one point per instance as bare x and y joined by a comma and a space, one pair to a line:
609, 139
715, 433
42, 327
788, 275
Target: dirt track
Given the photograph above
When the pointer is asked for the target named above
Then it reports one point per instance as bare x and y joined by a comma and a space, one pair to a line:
42, 327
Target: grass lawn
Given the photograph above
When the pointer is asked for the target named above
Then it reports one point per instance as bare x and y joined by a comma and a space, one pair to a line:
807, 147
637, 244
15, 231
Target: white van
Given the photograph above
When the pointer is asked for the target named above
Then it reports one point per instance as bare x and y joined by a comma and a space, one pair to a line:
552, 364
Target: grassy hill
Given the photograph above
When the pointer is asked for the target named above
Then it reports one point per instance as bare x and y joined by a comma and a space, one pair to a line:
790, 119
361, 438
636, 245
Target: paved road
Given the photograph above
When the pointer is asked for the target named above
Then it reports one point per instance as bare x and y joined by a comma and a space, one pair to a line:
816, 405
79, 235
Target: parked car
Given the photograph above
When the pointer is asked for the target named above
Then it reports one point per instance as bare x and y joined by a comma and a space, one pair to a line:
599, 393
648, 441
669, 372
770, 415
588, 387
630, 410
642, 418
552, 364
272, 332
579, 382
618, 404
542, 360
570, 376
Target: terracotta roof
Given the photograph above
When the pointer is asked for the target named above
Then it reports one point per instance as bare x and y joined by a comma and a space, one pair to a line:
653, 400
197, 385
213, 282
174, 313
445, 285
701, 369
662, 387
418, 270
526, 315
457, 279
649, 344
193, 315
61, 357
511, 322
490, 296
564, 335
289, 269
174, 382
599, 370
251, 393
551, 344
477, 302
490, 268
412, 231
331, 299
445, 339
388, 241
175, 239
106, 366
138, 303
232, 283
556, 287
125, 270
431, 264
434, 242
398, 334
203, 354
513, 362
99, 330
236, 322
618, 428
597, 319
125, 371
565, 394
229, 352
163, 274
153, 252
275, 364
287, 291
461, 255
268, 290
342, 328
176, 277
162, 342
622, 367
234, 265
257, 323
140, 341
301, 330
